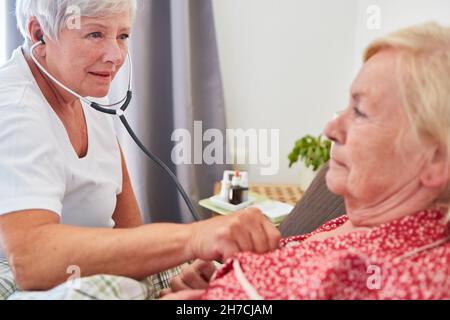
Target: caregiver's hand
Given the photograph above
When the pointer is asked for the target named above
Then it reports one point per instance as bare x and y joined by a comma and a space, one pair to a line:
222, 237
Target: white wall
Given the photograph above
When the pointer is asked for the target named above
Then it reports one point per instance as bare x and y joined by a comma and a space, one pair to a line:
287, 64
396, 14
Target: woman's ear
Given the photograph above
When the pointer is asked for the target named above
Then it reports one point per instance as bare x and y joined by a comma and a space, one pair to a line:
436, 173
37, 35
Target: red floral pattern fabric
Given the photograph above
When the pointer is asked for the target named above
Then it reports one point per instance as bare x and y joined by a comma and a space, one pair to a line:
404, 259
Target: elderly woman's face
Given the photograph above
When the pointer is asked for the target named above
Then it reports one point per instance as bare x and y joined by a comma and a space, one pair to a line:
88, 59
367, 167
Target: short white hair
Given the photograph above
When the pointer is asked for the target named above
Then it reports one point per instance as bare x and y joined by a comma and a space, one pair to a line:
53, 15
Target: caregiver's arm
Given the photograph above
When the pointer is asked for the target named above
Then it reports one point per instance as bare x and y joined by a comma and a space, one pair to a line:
40, 250
127, 213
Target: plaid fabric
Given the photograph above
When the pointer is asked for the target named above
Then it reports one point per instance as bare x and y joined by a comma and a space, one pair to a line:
7, 283
102, 287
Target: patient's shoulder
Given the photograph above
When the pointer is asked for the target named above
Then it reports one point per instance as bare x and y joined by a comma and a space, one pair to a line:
327, 227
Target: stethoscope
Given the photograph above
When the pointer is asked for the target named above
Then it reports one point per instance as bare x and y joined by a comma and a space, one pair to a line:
120, 112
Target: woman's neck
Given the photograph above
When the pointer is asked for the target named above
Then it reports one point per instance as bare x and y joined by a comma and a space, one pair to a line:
412, 198
61, 101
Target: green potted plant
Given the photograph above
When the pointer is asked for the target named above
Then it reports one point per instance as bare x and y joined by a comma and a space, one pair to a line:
313, 153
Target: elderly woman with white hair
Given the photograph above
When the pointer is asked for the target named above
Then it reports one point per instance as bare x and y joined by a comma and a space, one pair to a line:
66, 201
391, 164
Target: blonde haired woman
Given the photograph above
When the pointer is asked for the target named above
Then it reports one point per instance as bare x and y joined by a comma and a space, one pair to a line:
391, 163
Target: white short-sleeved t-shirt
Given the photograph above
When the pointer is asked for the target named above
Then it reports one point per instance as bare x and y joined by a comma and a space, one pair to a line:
39, 169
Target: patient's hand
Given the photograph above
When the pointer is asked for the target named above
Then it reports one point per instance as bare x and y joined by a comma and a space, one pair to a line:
193, 277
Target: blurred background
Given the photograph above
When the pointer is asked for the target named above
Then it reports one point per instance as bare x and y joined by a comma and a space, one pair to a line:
249, 64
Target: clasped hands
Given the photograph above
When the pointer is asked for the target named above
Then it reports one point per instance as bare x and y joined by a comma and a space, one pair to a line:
217, 240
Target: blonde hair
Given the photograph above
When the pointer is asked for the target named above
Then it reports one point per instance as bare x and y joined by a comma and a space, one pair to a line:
424, 79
